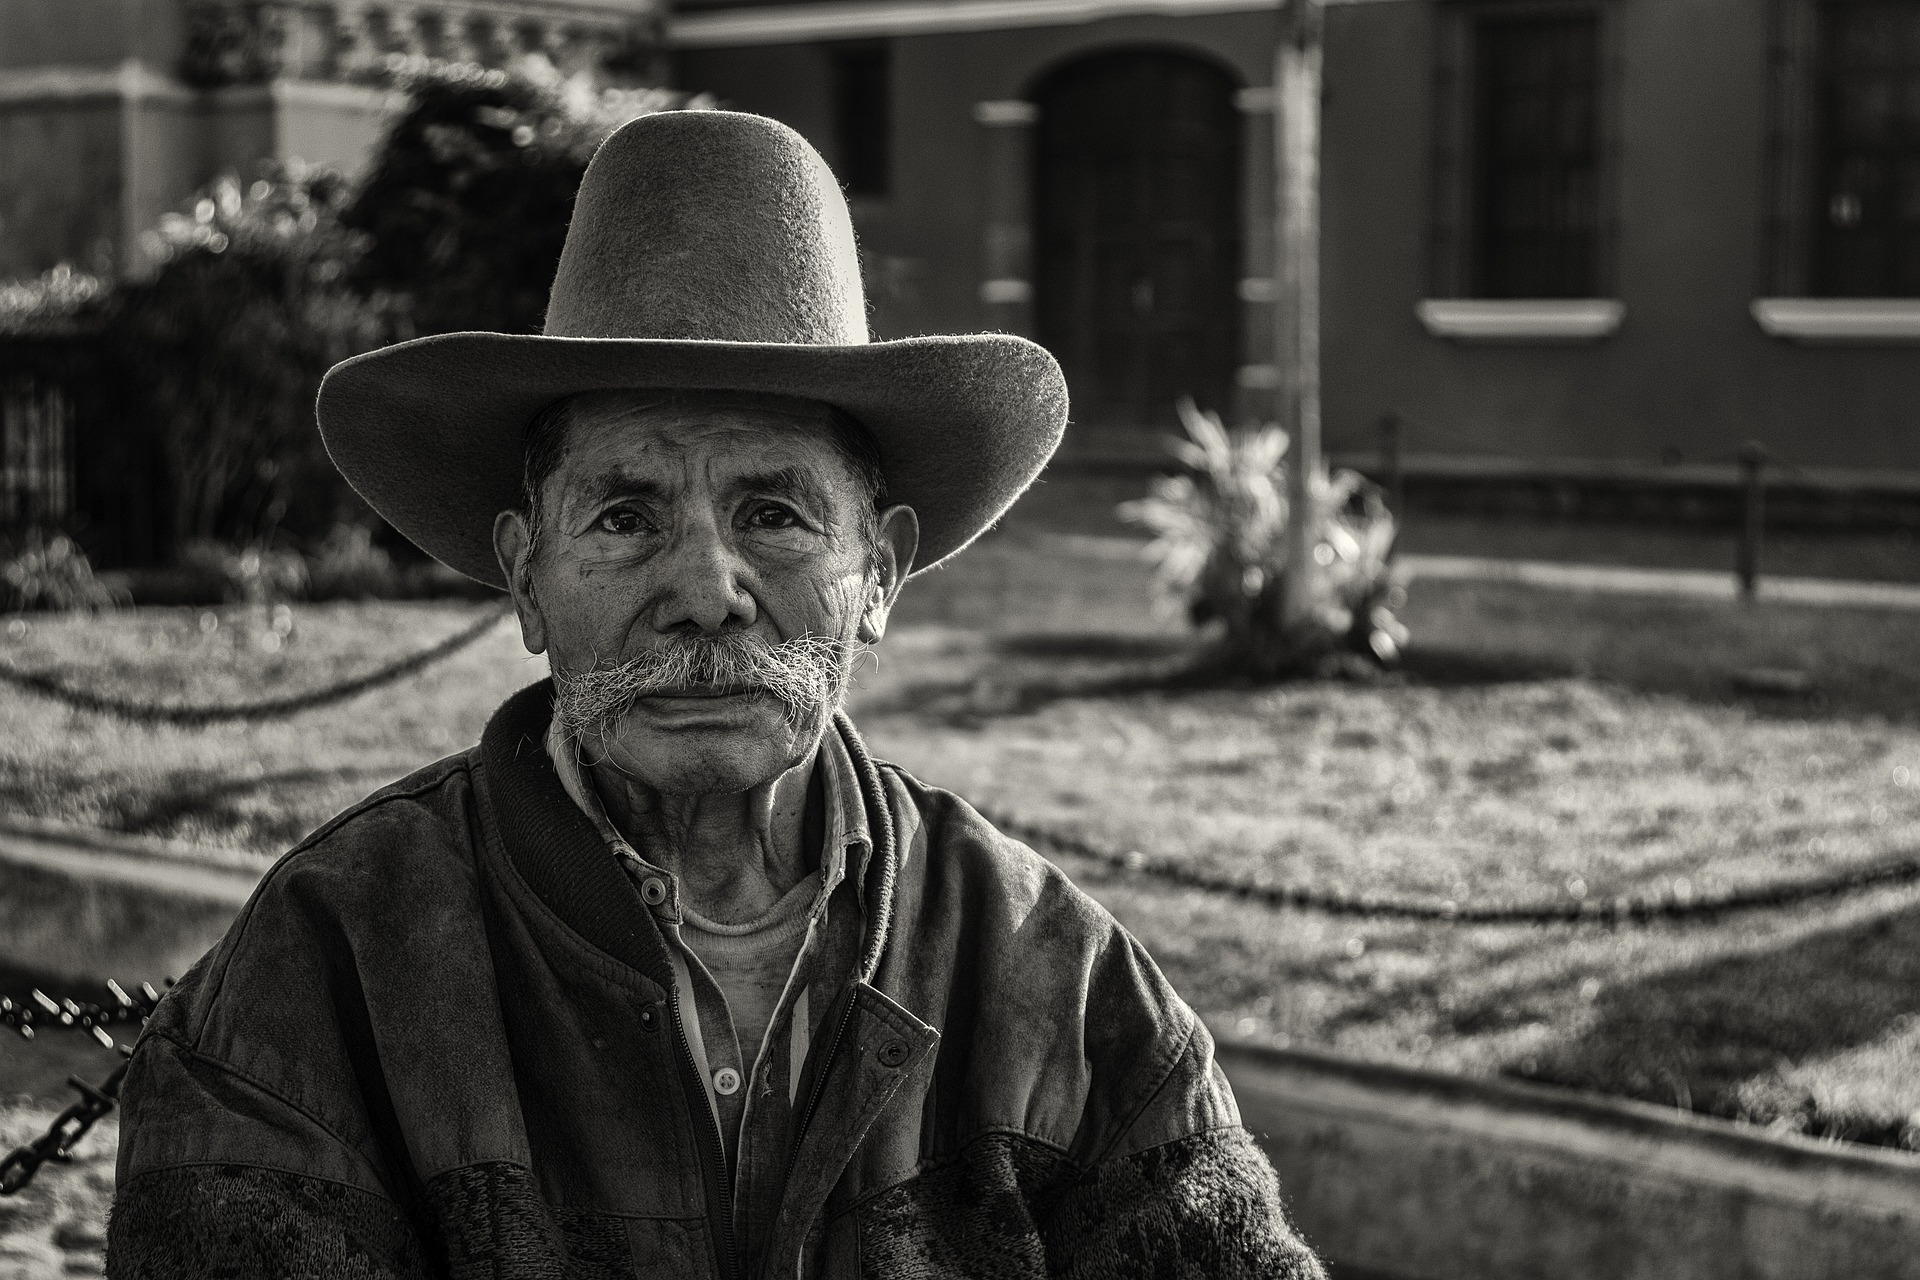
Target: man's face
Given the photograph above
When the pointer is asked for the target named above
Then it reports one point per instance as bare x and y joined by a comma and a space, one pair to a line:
696, 519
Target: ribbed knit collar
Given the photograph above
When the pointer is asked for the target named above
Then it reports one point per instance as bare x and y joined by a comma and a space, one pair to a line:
564, 861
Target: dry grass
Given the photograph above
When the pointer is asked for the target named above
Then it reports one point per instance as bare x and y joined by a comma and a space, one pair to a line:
1539, 739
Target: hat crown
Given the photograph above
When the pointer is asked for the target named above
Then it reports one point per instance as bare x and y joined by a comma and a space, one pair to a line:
710, 226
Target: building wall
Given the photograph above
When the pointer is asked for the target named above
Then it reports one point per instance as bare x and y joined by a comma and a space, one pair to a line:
101, 132
61, 201
924, 244
1689, 374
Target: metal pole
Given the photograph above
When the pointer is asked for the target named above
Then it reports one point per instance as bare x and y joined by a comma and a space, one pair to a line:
1753, 462
1296, 131
1392, 478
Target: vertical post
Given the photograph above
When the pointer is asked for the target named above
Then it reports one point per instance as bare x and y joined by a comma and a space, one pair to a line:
1753, 462
1296, 110
1006, 285
1392, 476
1255, 381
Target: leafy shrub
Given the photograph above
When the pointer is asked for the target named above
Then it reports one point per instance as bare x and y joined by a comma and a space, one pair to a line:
349, 566
465, 209
52, 573
245, 575
49, 300
1220, 545
222, 352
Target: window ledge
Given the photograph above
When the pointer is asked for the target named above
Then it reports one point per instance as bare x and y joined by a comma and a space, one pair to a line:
1521, 320
1839, 320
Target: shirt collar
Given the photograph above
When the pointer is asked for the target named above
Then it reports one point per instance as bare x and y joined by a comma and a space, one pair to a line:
846, 816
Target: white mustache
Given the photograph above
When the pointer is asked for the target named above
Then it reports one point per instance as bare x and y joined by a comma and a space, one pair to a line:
805, 675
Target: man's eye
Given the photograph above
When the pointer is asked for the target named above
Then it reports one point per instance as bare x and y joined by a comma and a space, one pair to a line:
622, 521
771, 515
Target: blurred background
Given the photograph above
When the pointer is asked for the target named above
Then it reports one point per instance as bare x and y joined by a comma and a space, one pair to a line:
1601, 659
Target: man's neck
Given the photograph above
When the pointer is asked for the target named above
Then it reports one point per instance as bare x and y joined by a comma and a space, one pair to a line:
736, 854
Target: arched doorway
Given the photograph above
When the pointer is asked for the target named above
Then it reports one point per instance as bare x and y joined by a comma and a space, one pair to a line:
1137, 235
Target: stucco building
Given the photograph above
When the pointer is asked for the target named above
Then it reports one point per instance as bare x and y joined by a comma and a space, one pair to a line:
1573, 236
113, 112
1633, 232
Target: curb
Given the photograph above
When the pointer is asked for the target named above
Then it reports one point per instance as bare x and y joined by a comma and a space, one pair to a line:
88, 905
1425, 1176
1389, 1171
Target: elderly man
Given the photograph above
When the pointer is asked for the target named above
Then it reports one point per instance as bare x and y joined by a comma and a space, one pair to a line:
667, 976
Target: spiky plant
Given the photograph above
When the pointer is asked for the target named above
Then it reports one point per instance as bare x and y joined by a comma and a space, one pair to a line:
1220, 545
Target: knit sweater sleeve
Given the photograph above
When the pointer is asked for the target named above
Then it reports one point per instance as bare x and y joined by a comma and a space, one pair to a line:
1199, 1207
1185, 1192
221, 1177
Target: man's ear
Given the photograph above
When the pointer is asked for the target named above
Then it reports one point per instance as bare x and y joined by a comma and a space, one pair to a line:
898, 539
513, 547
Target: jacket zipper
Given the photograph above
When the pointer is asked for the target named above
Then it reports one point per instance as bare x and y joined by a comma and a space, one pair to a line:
719, 1185
820, 1083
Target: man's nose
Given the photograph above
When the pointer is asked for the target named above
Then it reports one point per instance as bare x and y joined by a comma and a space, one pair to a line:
703, 575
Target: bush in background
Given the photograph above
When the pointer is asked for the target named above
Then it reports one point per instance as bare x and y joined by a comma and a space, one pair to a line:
348, 565
213, 364
465, 209
52, 573
214, 571
49, 301
1220, 544
223, 351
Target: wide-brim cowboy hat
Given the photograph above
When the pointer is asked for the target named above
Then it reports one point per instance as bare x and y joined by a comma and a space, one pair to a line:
709, 250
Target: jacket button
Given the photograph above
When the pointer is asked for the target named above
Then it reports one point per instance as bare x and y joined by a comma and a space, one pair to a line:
649, 1017
653, 891
726, 1082
893, 1053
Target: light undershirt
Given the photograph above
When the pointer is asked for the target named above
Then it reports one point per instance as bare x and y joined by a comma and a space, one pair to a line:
751, 962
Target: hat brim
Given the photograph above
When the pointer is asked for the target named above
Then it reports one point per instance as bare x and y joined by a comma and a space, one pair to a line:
431, 432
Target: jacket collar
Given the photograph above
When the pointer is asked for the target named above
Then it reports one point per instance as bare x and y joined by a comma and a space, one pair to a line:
843, 823
563, 858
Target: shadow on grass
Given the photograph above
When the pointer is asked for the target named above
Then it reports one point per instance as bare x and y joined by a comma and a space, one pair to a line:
1718, 1037
1026, 672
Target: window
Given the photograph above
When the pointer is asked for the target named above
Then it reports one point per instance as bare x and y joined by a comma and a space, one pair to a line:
1865, 217
1526, 149
1536, 147
862, 118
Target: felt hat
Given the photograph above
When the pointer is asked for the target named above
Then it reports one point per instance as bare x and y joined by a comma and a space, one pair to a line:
709, 250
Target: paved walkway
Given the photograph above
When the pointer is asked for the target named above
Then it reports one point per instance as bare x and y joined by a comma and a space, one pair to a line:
1697, 584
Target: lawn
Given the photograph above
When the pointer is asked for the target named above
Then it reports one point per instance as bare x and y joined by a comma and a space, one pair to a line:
1540, 746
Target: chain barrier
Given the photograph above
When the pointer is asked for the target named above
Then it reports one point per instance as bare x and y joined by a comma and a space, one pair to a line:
261, 709
57, 1142
96, 1101
1623, 910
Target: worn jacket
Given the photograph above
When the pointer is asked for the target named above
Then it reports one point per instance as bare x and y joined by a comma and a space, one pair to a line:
436, 1043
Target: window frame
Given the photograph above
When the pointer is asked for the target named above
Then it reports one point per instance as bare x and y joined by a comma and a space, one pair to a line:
840, 56
1453, 226
1796, 156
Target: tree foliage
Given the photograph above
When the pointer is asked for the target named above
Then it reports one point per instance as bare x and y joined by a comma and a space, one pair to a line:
465, 210
221, 352
262, 285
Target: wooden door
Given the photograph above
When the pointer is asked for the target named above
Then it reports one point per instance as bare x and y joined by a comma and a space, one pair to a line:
1137, 245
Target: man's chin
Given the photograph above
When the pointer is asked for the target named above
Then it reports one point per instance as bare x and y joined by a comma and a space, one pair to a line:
711, 744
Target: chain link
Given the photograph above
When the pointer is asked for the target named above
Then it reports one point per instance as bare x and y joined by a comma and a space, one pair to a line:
20, 1165
262, 709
